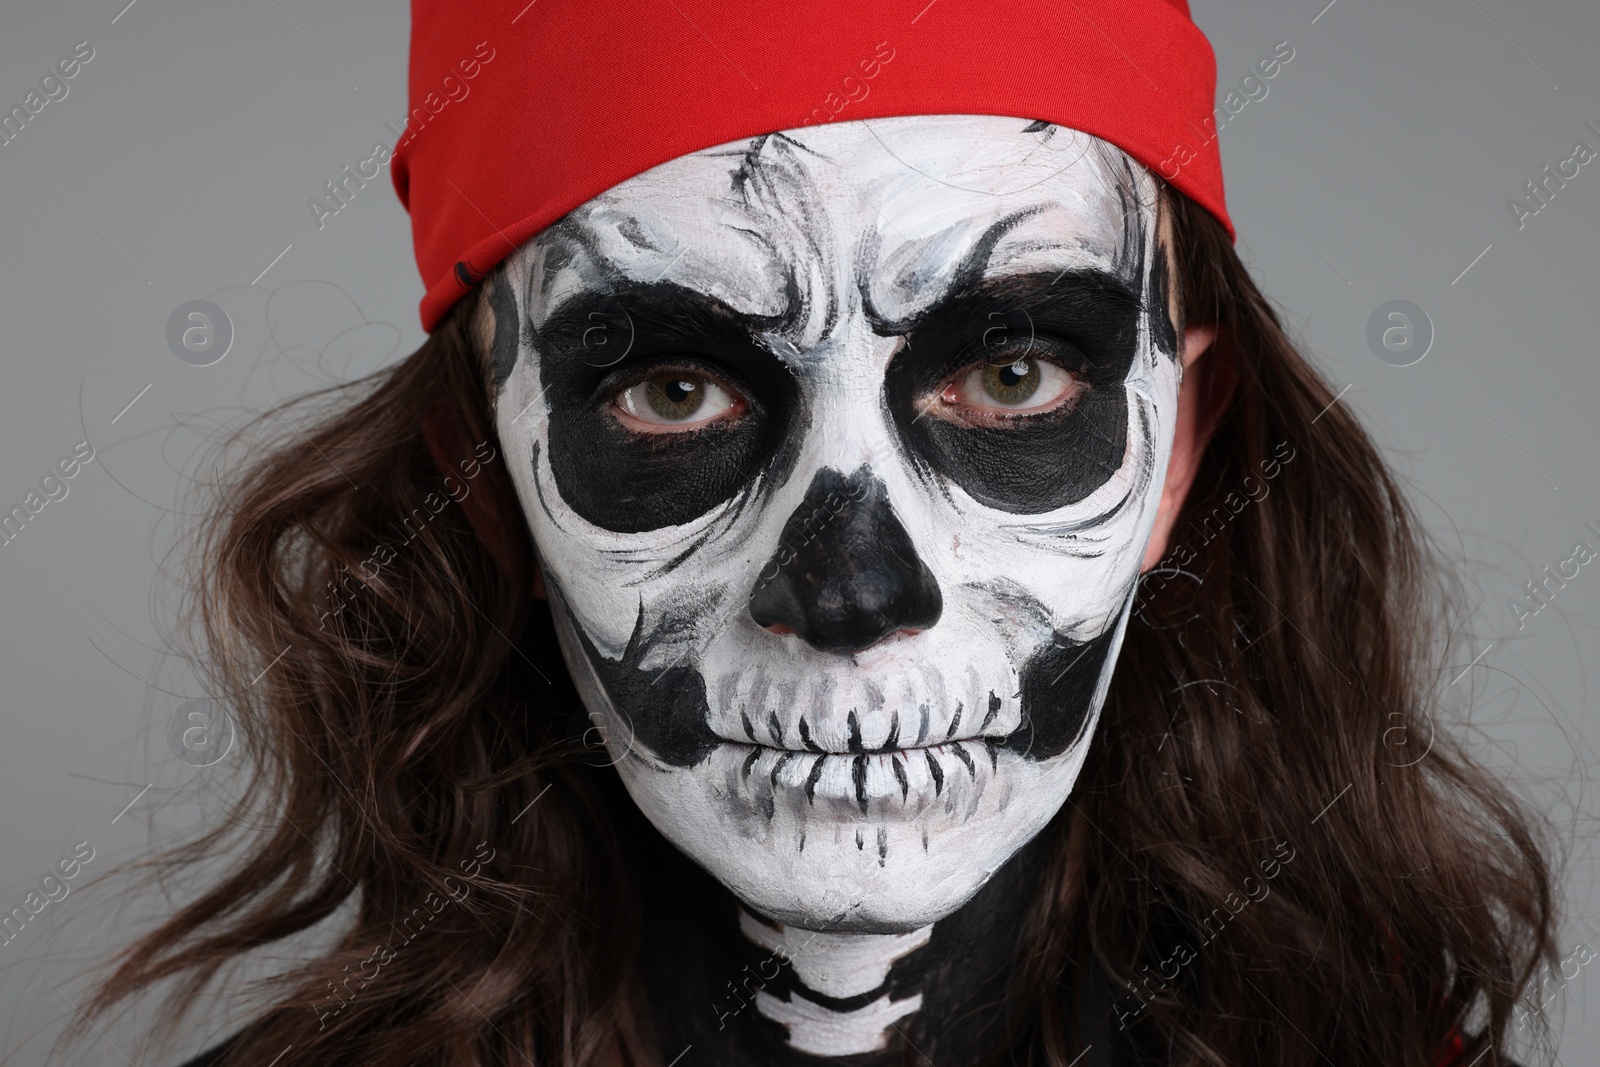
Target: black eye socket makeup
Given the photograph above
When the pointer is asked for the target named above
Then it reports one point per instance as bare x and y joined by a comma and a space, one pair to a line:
635, 378
1085, 323
626, 446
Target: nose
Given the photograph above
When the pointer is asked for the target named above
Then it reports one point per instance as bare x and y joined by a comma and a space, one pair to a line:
845, 574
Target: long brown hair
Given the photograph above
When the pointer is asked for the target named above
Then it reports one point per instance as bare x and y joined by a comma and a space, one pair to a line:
1276, 854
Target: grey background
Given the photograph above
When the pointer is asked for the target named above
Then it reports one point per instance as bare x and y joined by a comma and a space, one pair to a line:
1378, 167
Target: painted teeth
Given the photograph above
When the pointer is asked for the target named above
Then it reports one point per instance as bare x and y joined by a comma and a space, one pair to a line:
847, 711
893, 740
961, 754
955, 721
778, 765
867, 781
805, 737
813, 778
989, 716
859, 736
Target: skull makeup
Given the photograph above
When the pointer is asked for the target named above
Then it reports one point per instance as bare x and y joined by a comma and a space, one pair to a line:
841, 448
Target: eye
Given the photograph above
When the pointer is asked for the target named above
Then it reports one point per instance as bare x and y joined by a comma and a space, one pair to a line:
998, 391
676, 401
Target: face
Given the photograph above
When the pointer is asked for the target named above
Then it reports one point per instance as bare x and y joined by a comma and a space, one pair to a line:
840, 448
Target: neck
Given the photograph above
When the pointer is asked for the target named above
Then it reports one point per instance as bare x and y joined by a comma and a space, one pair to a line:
835, 997
742, 990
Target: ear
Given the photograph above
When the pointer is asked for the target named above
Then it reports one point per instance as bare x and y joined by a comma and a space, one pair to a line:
1207, 385
453, 453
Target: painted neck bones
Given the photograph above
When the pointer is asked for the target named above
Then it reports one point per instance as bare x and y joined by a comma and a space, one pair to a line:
840, 448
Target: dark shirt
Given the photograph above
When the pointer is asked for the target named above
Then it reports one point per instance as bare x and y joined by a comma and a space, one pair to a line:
1107, 1046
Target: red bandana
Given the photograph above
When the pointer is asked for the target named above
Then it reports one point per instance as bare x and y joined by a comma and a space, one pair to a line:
523, 110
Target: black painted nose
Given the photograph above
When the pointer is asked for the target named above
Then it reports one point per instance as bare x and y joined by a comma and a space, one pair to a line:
845, 574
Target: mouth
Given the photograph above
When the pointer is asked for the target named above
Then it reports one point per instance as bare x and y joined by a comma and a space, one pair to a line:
878, 770
879, 774
931, 730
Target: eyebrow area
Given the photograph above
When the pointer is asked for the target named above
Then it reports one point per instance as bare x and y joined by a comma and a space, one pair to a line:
1096, 308
662, 313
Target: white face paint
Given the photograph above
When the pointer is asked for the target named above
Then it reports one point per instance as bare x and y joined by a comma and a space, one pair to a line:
841, 448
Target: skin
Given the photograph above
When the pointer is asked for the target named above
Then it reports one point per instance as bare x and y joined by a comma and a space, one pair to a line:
822, 447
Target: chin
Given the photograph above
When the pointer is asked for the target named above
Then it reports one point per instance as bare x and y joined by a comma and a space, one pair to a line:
801, 852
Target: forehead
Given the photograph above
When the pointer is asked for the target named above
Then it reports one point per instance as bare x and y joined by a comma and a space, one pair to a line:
890, 211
